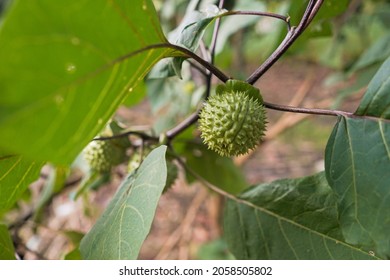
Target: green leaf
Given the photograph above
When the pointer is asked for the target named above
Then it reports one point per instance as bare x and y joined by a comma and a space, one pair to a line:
172, 100
357, 166
136, 96
287, 219
16, 173
376, 100
219, 171
66, 67
121, 230
190, 32
188, 35
7, 251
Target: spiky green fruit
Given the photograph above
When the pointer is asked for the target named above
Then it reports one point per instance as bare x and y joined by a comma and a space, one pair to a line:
233, 121
103, 155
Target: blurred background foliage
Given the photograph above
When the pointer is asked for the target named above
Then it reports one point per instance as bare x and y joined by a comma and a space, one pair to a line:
350, 37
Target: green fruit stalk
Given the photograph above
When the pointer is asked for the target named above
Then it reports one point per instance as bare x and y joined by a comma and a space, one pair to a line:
233, 121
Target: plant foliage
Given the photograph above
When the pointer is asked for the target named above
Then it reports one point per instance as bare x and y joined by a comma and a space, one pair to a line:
67, 67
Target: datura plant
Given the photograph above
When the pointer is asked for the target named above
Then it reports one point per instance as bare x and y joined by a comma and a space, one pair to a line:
62, 83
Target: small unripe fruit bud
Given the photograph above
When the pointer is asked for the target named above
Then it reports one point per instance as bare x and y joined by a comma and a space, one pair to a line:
103, 155
233, 121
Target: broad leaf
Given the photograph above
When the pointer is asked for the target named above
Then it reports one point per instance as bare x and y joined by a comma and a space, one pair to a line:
287, 219
188, 35
65, 69
123, 227
357, 168
172, 99
7, 251
136, 96
357, 165
16, 173
376, 100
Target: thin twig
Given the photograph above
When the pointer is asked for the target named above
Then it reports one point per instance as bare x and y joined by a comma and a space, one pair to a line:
290, 38
215, 34
142, 135
282, 48
198, 68
312, 111
218, 73
180, 51
314, 11
194, 117
306, 16
182, 126
213, 44
204, 51
286, 19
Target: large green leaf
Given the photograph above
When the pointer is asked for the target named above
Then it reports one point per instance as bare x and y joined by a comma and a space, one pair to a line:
121, 230
376, 100
287, 219
7, 251
65, 70
16, 173
357, 168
